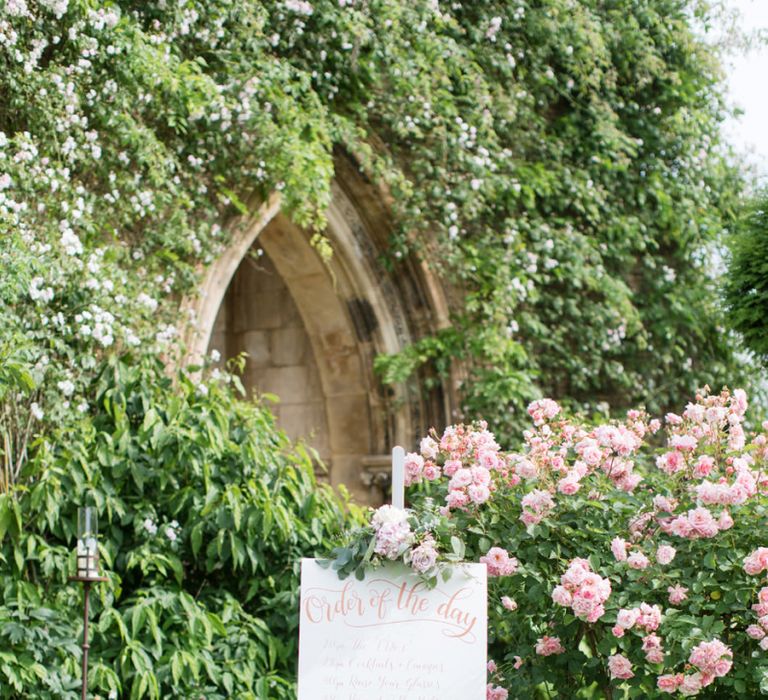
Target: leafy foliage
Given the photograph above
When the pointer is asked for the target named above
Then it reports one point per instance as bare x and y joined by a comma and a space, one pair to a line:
746, 285
557, 162
610, 498
206, 512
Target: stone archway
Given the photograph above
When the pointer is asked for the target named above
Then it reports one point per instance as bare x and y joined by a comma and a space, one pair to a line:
312, 330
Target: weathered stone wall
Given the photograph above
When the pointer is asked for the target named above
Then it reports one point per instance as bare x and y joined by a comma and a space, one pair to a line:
259, 317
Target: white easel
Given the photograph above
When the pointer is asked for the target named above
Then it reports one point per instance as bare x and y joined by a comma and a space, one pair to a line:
398, 477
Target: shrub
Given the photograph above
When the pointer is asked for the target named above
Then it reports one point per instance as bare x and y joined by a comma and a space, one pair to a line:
638, 564
206, 511
746, 285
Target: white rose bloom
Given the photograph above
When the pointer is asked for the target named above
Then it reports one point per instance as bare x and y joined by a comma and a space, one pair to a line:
66, 387
388, 515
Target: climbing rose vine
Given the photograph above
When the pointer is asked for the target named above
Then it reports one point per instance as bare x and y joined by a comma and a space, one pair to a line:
626, 557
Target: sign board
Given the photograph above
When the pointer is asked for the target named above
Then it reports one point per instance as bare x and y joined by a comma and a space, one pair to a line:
388, 637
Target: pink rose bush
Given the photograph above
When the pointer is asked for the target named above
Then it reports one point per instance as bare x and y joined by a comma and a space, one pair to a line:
631, 551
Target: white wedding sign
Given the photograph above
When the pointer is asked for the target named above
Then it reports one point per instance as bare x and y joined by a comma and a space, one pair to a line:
388, 637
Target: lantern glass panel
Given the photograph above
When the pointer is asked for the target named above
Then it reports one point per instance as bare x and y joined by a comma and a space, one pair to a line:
87, 543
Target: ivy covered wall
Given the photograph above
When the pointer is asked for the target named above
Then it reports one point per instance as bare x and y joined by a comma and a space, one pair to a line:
558, 162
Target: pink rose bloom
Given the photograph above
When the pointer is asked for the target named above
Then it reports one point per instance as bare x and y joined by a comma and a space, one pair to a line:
546, 646
665, 554
702, 522
670, 462
764, 643
461, 479
431, 471
673, 419
619, 548
592, 455
584, 584
756, 632
456, 499
626, 619
525, 468
450, 439
537, 505
518, 662
562, 596
691, 684
681, 526
684, 443
508, 603
703, 466
629, 482
618, 631
557, 464
423, 557
499, 562
488, 459
492, 668
638, 560
677, 594
595, 614
451, 466
713, 494
757, 561
725, 521
576, 572
736, 438
569, 485
428, 448
543, 410
664, 503
739, 401
480, 476
413, 467
654, 653
670, 682
694, 412
716, 414
620, 667
649, 618
496, 693
478, 494
586, 608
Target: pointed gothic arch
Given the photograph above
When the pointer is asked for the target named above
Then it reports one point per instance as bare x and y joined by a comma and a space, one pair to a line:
313, 329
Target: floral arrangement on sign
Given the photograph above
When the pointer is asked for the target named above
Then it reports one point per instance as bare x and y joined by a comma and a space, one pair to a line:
623, 558
425, 537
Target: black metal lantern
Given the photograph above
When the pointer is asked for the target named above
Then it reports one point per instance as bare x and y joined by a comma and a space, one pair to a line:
87, 572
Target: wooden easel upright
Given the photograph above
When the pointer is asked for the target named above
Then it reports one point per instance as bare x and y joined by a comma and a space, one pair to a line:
398, 477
